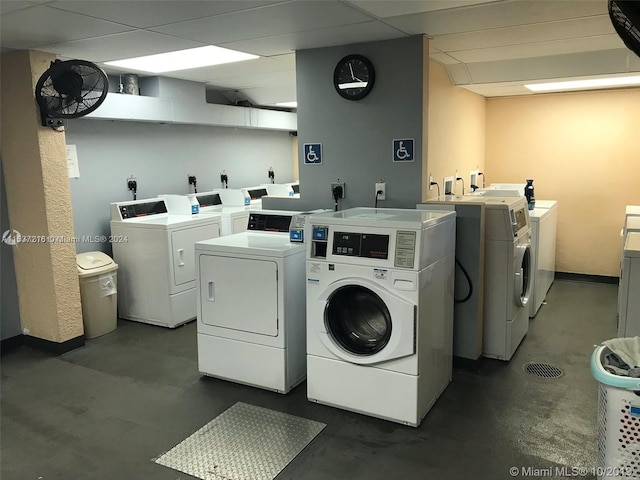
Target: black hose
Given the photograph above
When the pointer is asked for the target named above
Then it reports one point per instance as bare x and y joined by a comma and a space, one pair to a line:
468, 296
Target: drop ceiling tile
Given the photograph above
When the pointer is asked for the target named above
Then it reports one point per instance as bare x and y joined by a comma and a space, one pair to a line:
147, 13
120, 45
250, 68
523, 34
272, 20
7, 6
443, 58
394, 8
41, 25
539, 49
326, 37
496, 15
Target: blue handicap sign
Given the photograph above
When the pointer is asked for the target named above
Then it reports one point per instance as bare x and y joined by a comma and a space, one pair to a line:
312, 153
403, 150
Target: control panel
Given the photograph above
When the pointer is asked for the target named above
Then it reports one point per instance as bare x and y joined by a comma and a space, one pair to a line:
269, 223
257, 193
142, 209
209, 200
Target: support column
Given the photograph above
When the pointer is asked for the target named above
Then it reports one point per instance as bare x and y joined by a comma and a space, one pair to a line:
39, 205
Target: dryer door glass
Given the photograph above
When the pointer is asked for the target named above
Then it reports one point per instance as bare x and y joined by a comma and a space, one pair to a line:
523, 274
357, 320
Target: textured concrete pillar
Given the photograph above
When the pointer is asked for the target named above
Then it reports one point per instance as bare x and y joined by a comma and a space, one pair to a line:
39, 205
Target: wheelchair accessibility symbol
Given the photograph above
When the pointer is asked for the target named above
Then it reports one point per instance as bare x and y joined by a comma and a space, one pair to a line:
403, 150
312, 153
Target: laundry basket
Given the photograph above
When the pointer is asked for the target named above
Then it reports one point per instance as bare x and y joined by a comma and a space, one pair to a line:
618, 421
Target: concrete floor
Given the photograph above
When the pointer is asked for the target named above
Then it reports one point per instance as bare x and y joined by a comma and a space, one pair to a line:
106, 410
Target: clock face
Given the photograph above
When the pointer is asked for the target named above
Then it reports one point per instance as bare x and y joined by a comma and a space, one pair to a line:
353, 77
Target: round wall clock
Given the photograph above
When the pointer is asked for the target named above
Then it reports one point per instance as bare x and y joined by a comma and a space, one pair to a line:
354, 77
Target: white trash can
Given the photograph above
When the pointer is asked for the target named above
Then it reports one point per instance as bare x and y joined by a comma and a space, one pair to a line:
618, 434
98, 292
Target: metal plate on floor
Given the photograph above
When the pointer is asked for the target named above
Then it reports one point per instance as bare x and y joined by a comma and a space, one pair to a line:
244, 442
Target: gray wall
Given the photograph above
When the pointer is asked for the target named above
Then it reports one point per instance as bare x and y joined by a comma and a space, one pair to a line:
356, 136
161, 156
9, 309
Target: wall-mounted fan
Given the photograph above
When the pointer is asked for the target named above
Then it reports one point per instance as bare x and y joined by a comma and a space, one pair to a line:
70, 89
625, 16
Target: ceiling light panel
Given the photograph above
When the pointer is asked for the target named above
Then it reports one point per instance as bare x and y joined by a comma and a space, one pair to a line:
183, 59
585, 84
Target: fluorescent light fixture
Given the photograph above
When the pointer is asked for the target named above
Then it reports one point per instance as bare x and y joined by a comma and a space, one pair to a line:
287, 104
183, 59
585, 84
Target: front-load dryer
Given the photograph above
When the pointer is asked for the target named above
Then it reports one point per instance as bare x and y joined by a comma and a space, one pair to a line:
251, 304
380, 310
155, 254
544, 224
508, 269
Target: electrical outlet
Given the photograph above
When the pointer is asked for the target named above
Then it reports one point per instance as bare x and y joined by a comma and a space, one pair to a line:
381, 186
448, 185
132, 184
431, 185
341, 186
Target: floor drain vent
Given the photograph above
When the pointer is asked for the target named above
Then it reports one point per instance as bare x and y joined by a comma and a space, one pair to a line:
543, 370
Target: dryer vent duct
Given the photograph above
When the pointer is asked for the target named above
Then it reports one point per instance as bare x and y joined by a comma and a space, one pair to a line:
625, 16
129, 84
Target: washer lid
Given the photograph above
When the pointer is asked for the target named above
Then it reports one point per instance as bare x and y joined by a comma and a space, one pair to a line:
90, 263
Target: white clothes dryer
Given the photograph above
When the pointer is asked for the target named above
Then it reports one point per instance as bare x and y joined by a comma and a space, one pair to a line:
254, 195
544, 226
508, 269
380, 310
233, 218
251, 304
155, 255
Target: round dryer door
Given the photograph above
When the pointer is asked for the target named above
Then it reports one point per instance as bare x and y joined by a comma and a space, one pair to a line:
358, 320
523, 274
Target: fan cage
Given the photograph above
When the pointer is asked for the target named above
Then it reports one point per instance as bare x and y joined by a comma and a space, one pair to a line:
625, 17
71, 89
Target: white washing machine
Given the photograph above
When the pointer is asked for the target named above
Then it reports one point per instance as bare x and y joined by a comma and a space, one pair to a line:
507, 279
155, 254
544, 227
254, 195
380, 310
628, 299
251, 304
233, 218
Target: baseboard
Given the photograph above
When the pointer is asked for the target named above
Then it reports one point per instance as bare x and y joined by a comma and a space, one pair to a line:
9, 344
462, 363
582, 277
46, 346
